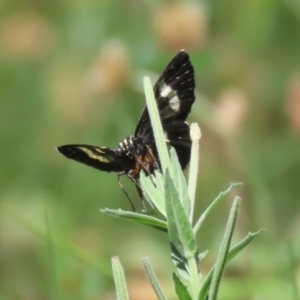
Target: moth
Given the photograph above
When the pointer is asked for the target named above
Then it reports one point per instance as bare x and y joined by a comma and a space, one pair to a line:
174, 95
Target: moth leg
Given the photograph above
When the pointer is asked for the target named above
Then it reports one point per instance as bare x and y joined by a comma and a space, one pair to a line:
150, 169
132, 177
140, 192
124, 191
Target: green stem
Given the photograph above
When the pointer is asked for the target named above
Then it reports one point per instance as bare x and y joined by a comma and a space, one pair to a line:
194, 283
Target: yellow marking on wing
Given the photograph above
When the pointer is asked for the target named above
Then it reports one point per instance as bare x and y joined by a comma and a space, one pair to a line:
92, 155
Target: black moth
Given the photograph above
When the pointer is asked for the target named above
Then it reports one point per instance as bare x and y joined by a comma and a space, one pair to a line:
174, 94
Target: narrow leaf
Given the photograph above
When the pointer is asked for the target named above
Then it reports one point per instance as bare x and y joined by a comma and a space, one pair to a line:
119, 279
180, 230
156, 125
137, 218
194, 167
153, 193
180, 263
180, 181
234, 251
183, 243
221, 260
213, 204
181, 289
153, 279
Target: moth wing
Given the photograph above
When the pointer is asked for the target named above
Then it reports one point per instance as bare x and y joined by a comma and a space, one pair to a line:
101, 158
177, 135
173, 91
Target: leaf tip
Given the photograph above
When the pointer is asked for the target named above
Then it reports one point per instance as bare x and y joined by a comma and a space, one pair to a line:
195, 132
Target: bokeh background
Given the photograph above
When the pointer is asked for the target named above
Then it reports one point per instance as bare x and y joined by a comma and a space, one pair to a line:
71, 72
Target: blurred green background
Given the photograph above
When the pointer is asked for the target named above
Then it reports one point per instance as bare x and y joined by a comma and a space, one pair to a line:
71, 72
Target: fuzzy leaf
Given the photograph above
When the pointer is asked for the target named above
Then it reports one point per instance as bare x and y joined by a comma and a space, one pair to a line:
137, 218
153, 279
234, 251
180, 181
180, 230
181, 289
119, 278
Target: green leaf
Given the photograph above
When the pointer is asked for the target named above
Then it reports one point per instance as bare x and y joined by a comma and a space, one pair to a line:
160, 183
180, 263
156, 125
154, 194
232, 253
180, 181
188, 272
137, 218
119, 278
202, 255
181, 289
153, 279
213, 204
180, 230
194, 166
221, 260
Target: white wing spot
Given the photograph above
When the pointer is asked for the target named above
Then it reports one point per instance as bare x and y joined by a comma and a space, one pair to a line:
165, 91
174, 103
